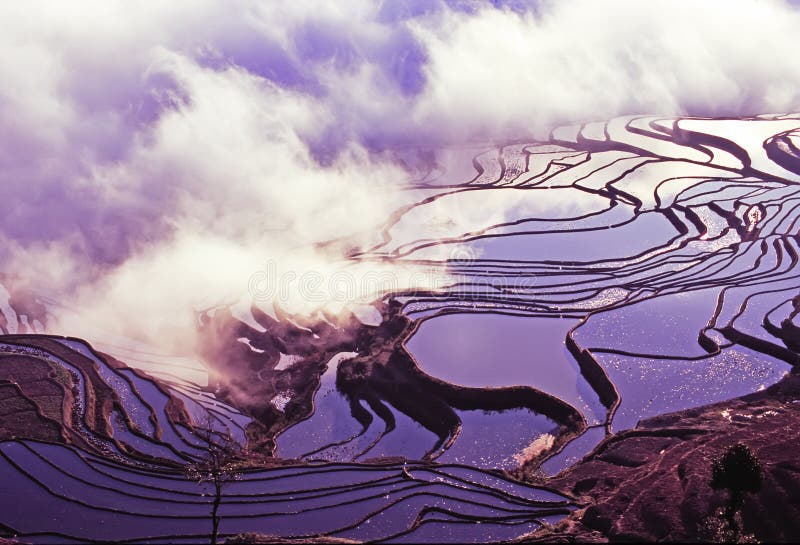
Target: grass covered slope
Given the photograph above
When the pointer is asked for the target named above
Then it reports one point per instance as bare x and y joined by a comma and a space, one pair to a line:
653, 483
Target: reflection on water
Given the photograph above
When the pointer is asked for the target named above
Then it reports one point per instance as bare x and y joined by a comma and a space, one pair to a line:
619, 271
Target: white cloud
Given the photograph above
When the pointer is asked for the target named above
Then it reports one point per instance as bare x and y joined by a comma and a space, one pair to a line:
583, 60
154, 154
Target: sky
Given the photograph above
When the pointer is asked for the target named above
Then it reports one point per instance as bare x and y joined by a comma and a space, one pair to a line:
153, 155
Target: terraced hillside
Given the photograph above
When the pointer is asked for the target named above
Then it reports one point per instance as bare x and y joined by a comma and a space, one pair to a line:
102, 450
616, 272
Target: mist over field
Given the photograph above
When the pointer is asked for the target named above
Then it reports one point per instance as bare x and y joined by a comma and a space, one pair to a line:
154, 155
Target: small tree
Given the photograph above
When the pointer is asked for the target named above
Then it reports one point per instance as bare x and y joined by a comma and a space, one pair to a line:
221, 463
739, 472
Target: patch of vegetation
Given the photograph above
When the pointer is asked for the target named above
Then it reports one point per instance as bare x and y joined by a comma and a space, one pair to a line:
739, 472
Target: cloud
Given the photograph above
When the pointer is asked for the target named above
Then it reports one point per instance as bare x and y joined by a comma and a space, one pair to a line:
153, 155
500, 71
